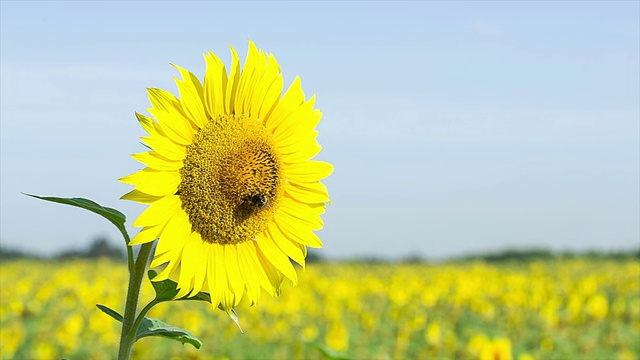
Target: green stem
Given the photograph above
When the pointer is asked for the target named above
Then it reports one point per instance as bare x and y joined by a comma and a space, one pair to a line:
127, 336
132, 335
125, 235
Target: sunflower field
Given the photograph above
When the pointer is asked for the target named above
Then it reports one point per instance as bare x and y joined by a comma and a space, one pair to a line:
555, 309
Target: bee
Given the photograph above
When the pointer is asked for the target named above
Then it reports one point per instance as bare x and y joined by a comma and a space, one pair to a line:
259, 200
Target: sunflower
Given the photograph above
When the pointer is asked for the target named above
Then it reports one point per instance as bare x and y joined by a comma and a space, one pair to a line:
232, 191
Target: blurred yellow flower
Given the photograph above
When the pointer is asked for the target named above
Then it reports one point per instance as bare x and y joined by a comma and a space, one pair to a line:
433, 334
232, 189
597, 306
487, 349
358, 317
11, 337
499, 349
337, 336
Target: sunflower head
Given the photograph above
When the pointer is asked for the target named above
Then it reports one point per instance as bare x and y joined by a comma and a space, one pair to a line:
232, 189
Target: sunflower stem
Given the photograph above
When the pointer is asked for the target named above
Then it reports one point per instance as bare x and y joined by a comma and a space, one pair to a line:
127, 239
127, 336
139, 319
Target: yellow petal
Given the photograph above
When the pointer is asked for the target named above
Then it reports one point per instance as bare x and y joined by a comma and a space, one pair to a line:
172, 259
309, 171
159, 212
283, 242
175, 234
228, 297
215, 84
274, 275
233, 271
296, 211
317, 193
252, 270
304, 152
263, 87
147, 234
139, 196
159, 259
217, 275
157, 162
193, 264
154, 182
300, 234
271, 98
276, 257
158, 141
301, 121
290, 101
168, 122
167, 111
297, 142
201, 262
247, 77
232, 83
312, 186
191, 97
250, 279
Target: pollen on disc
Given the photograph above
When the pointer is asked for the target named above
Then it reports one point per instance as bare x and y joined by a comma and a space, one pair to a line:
231, 180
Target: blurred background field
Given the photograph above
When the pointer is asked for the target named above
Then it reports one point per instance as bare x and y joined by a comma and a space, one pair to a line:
454, 128
554, 308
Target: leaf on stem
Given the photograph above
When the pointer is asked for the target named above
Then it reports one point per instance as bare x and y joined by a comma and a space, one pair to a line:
155, 327
326, 351
114, 314
114, 216
166, 290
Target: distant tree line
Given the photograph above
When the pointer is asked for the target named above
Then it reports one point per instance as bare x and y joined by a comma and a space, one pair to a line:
523, 255
99, 248
515, 255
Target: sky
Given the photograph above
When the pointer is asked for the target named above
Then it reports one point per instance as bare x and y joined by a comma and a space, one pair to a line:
454, 127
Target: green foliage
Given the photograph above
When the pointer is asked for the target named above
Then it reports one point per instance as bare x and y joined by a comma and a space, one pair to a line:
155, 327
532, 304
327, 352
541, 254
114, 216
166, 290
99, 247
7, 253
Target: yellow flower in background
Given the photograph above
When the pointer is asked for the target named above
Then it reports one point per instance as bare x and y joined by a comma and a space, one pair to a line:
433, 334
499, 349
337, 336
597, 306
232, 189
488, 349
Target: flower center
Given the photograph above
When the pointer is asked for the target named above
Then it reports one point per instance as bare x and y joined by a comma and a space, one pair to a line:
231, 180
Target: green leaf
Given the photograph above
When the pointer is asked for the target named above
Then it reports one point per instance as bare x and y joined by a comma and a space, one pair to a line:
167, 289
114, 216
234, 318
327, 352
114, 314
155, 327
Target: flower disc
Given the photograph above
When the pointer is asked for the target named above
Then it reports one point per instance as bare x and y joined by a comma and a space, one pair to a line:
232, 191
230, 173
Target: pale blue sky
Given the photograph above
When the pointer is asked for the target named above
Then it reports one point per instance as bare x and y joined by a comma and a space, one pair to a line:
454, 127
